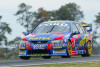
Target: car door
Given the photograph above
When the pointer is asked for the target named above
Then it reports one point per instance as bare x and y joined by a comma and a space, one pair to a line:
81, 39
75, 38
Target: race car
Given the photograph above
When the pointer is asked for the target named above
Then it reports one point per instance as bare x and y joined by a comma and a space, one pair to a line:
57, 38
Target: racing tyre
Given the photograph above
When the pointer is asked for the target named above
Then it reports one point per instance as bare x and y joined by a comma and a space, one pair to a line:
69, 50
88, 50
46, 57
25, 57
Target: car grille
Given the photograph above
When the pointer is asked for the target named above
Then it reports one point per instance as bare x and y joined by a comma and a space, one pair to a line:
39, 42
39, 52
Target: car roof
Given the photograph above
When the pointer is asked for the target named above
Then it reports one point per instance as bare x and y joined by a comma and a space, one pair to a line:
60, 21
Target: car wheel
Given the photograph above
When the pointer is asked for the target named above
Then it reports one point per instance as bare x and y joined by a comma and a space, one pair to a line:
25, 57
46, 57
88, 50
69, 50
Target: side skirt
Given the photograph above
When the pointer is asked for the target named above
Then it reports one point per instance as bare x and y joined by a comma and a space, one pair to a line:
78, 52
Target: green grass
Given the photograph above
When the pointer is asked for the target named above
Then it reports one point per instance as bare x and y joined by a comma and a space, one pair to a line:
86, 64
5, 59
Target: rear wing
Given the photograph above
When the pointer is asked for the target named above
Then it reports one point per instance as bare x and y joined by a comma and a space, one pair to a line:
88, 27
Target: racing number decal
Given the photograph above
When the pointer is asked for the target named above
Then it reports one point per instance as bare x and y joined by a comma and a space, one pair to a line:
83, 41
87, 38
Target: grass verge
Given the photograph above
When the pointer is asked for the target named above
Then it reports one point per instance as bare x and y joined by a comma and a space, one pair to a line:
85, 64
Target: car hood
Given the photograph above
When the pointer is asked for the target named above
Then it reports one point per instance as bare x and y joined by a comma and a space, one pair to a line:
44, 36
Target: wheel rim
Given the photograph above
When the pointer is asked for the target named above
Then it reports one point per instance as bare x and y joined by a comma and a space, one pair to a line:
69, 48
89, 48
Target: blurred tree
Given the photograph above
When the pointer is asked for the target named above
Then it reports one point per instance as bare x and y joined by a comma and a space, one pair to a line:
25, 16
4, 28
15, 41
69, 11
96, 34
13, 53
3, 53
98, 18
40, 16
0, 18
97, 26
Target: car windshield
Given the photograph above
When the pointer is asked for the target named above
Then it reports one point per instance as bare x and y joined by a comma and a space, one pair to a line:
51, 28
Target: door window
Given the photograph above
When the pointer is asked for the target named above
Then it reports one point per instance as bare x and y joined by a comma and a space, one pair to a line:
80, 28
74, 28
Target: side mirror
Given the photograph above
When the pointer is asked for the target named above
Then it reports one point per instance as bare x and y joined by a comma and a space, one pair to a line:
76, 32
26, 33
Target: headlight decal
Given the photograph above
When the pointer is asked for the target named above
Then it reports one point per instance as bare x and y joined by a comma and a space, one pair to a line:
58, 43
25, 44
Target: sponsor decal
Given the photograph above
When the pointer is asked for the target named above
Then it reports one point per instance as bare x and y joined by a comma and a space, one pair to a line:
59, 51
76, 47
59, 45
82, 42
40, 55
54, 22
22, 48
40, 38
42, 46
39, 46
48, 24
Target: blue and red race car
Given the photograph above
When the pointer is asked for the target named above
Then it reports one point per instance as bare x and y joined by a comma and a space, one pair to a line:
57, 38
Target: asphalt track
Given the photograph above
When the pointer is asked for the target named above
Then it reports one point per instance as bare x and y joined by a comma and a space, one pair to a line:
47, 61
